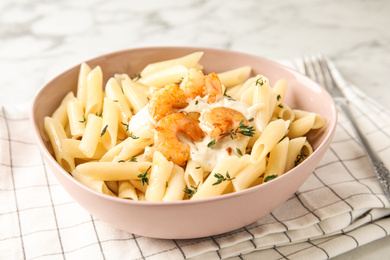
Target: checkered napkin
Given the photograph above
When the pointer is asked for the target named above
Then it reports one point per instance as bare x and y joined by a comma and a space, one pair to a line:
340, 207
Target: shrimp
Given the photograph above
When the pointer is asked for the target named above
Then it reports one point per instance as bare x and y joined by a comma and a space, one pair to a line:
165, 100
197, 84
166, 137
213, 87
221, 120
193, 84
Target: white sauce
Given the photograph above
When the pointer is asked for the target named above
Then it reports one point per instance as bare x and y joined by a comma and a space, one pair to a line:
141, 120
206, 156
209, 156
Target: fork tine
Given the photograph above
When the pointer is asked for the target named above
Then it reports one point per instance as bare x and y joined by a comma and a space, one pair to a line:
308, 67
316, 68
328, 78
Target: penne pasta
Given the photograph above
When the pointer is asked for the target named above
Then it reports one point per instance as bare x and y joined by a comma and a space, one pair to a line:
126, 190
219, 178
114, 92
94, 92
96, 185
283, 111
72, 146
56, 135
301, 126
249, 172
262, 94
91, 136
61, 113
242, 88
167, 76
272, 134
127, 149
136, 97
159, 176
82, 84
113, 171
235, 76
294, 155
188, 61
109, 129
277, 159
225, 133
318, 122
76, 118
175, 185
193, 174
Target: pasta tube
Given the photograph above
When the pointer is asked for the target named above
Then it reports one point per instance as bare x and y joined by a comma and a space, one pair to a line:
161, 172
94, 92
113, 171
272, 134
56, 135
82, 84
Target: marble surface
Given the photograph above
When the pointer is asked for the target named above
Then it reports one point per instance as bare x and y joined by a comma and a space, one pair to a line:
39, 39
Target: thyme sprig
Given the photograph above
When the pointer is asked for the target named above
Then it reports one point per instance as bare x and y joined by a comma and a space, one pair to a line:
103, 131
221, 178
300, 157
226, 95
127, 126
241, 129
143, 177
192, 191
260, 81
137, 77
211, 143
84, 120
133, 136
269, 177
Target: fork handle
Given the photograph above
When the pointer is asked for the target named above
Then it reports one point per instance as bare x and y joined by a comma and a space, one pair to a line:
378, 165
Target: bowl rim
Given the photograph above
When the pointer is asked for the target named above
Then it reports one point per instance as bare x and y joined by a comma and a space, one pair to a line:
43, 149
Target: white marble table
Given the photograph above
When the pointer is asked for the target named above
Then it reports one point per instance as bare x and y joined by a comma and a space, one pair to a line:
39, 39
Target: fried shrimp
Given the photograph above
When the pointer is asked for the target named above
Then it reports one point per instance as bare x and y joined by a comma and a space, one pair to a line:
165, 100
213, 87
222, 120
193, 84
197, 84
166, 138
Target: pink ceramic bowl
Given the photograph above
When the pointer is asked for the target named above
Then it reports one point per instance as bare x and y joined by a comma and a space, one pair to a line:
205, 217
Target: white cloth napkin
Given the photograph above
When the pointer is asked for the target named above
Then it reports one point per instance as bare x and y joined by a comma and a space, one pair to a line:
340, 207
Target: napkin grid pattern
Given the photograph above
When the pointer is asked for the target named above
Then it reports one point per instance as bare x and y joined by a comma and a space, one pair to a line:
340, 207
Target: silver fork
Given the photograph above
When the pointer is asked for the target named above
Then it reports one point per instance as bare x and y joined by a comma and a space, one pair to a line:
316, 67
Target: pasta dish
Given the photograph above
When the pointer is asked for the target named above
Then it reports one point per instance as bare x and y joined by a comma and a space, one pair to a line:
173, 132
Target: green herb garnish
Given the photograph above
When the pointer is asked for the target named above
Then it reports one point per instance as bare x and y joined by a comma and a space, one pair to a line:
192, 191
103, 131
260, 81
221, 178
241, 129
211, 143
127, 126
143, 177
269, 177
300, 157
137, 77
133, 136
84, 120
